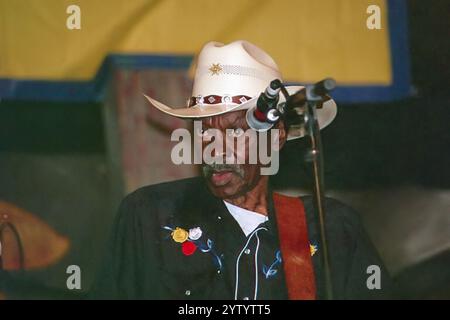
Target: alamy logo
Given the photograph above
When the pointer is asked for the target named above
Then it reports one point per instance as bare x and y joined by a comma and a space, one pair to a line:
373, 22
232, 147
374, 280
74, 280
73, 21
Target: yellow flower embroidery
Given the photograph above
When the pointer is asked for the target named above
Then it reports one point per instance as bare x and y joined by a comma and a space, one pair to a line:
312, 249
180, 235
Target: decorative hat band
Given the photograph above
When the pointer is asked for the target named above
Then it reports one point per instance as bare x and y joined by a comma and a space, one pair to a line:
213, 99
216, 69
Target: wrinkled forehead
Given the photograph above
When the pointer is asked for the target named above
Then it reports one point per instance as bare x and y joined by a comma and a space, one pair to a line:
226, 120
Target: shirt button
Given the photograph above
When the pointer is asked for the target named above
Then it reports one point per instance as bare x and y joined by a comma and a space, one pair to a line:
247, 251
219, 218
187, 292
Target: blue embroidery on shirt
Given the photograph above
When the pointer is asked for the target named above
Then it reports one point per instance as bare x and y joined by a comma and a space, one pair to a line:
272, 270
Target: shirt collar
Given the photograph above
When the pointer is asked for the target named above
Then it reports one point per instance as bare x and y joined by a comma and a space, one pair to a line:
214, 207
247, 220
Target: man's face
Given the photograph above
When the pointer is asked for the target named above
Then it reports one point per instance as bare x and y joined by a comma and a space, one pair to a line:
228, 181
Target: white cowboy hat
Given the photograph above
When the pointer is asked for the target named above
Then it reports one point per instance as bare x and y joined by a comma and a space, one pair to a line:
231, 78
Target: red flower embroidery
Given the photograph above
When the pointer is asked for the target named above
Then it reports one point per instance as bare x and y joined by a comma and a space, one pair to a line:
188, 248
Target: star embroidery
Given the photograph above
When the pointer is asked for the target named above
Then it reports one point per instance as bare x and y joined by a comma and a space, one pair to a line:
215, 69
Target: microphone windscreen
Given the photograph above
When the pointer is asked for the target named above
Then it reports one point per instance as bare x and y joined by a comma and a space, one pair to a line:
254, 123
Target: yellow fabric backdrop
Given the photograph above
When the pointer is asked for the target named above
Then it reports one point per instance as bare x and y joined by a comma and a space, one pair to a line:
309, 39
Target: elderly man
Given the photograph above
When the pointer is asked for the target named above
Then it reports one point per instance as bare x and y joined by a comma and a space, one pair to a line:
228, 235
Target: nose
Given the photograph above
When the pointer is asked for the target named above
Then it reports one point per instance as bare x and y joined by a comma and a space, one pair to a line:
222, 147
218, 153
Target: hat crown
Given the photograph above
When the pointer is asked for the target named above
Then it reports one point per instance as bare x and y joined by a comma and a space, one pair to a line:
238, 68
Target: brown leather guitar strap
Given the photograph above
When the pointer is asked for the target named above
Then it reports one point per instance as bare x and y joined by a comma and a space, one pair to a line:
295, 247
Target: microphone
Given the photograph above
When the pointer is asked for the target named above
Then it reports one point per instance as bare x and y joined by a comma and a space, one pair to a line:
317, 92
263, 116
320, 89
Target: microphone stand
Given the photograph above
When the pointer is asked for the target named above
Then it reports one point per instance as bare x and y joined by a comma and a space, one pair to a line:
316, 157
309, 101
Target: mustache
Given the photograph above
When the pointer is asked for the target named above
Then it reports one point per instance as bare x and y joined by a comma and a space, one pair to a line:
209, 169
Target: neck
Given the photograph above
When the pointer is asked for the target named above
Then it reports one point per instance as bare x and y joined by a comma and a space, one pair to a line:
254, 200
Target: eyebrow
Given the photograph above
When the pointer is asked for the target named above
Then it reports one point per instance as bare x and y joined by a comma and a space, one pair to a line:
229, 123
238, 120
233, 123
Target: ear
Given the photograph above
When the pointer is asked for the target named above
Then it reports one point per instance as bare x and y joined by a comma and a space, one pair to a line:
282, 134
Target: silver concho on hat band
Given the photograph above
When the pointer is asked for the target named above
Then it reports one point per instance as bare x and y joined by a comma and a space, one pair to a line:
227, 99
200, 100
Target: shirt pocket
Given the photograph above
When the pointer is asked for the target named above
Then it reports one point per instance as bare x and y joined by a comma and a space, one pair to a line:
186, 276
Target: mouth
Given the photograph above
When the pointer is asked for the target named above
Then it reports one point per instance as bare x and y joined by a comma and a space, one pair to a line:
221, 178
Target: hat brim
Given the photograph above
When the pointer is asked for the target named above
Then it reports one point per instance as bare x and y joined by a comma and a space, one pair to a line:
325, 115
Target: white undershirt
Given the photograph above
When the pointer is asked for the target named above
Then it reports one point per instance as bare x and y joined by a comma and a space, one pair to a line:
247, 220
